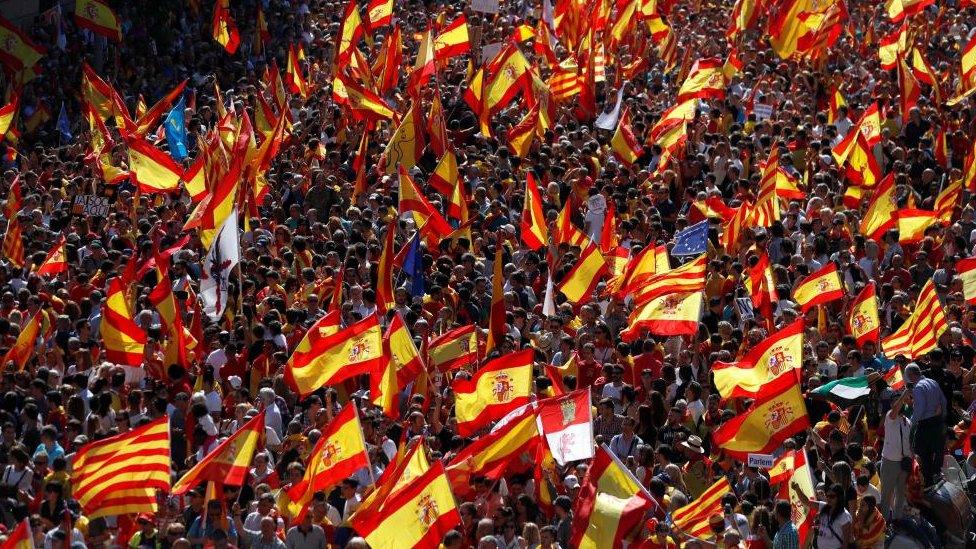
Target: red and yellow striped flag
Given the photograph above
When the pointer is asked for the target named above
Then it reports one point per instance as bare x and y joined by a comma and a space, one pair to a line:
452, 40
580, 282
351, 32
880, 215
354, 350
293, 74
17, 51
968, 62
862, 317
912, 224
55, 262
7, 114
424, 214
779, 354
513, 446
228, 463
704, 81
120, 475
23, 349
454, 349
379, 13
535, 232
407, 464
778, 413
689, 277
499, 387
22, 537
384, 271
98, 17
669, 314
919, 333
445, 175
13, 242
152, 169
496, 313
692, 519
818, 288
625, 145
521, 135
611, 503
125, 342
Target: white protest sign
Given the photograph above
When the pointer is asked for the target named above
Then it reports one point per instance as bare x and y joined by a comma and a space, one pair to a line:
762, 461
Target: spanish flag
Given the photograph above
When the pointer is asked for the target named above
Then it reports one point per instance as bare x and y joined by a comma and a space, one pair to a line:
425, 216
580, 282
407, 144
13, 242
22, 536
920, 333
454, 349
363, 102
496, 314
97, 93
380, 13
669, 314
624, 144
881, 213
293, 73
534, 230
23, 349
968, 59
55, 262
7, 114
229, 462
17, 51
340, 452
704, 81
778, 413
179, 342
786, 28
351, 32
424, 65
862, 316
195, 180
98, 17
513, 446
419, 515
403, 351
790, 470
384, 271
512, 75
818, 288
912, 224
152, 169
966, 269
610, 504
354, 350
693, 518
521, 135
120, 475
408, 463
900, 9
868, 127
124, 340
780, 354
452, 40
440, 144
499, 387
445, 174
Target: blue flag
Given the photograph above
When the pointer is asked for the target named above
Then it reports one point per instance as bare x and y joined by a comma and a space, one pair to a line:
413, 265
176, 130
691, 241
64, 127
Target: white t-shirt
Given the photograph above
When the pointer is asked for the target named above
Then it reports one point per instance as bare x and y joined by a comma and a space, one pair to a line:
892, 450
825, 538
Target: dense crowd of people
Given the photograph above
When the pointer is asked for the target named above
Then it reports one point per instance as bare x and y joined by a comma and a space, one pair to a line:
655, 405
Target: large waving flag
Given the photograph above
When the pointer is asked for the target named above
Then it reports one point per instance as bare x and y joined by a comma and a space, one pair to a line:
379, 13
580, 282
566, 422
351, 32
919, 333
511, 447
693, 518
797, 474
454, 349
319, 361
179, 340
224, 29
705, 81
862, 316
880, 215
780, 354
229, 462
152, 170
222, 256
445, 175
453, 40
611, 503
407, 143
419, 515
98, 17
778, 413
912, 224
425, 215
408, 463
124, 340
499, 387
820, 287
56, 261
669, 314
689, 277
23, 348
340, 452
17, 51
120, 475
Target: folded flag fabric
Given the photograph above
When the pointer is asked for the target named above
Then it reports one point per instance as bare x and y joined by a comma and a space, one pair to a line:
691, 241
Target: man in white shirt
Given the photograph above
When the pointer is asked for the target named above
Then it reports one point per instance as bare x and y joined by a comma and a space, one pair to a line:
897, 446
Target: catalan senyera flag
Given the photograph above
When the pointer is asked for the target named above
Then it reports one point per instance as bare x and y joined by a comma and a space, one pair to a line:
338, 454
624, 144
7, 114
521, 135
229, 462
121, 474
125, 342
704, 81
611, 503
496, 389
419, 515
912, 224
23, 349
152, 169
780, 354
880, 215
968, 59
13, 242
818, 288
55, 262
407, 144
948, 199
743, 17
379, 13
669, 314
898, 10
98, 17
512, 446
17, 51
22, 537
777, 413
732, 229
454, 349
354, 350
693, 518
862, 316
689, 277
453, 40
920, 333
966, 269
581, 280
535, 232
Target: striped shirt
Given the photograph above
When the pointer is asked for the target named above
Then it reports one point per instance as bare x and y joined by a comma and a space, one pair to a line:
787, 537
